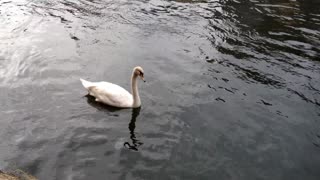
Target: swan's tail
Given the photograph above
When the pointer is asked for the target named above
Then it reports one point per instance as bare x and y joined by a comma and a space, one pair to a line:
86, 84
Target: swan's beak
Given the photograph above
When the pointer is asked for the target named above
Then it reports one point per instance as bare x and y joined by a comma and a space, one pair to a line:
142, 77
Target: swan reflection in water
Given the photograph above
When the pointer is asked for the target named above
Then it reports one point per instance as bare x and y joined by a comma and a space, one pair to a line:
132, 125
99, 106
135, 143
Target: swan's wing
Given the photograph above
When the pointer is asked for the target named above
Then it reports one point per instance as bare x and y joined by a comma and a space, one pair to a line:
111, 94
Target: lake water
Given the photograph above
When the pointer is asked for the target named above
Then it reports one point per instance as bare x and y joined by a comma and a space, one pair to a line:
232, 91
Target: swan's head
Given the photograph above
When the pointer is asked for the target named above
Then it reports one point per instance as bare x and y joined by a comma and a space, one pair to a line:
138, 72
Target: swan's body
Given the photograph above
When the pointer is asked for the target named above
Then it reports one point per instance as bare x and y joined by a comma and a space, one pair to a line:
114, 95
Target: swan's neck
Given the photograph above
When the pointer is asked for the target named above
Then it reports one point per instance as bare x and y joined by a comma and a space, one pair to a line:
135, 92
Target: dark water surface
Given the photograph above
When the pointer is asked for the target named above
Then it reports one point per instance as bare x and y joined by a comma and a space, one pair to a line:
232, 92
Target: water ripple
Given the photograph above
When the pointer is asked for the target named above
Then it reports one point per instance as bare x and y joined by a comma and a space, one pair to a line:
232, 89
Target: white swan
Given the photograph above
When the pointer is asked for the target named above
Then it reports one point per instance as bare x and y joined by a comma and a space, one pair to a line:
114, 95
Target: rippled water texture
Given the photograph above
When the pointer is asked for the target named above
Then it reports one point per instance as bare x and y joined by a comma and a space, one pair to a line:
232, 92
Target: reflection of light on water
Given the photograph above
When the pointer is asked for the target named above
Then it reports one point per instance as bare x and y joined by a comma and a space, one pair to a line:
119, 143
27, 52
